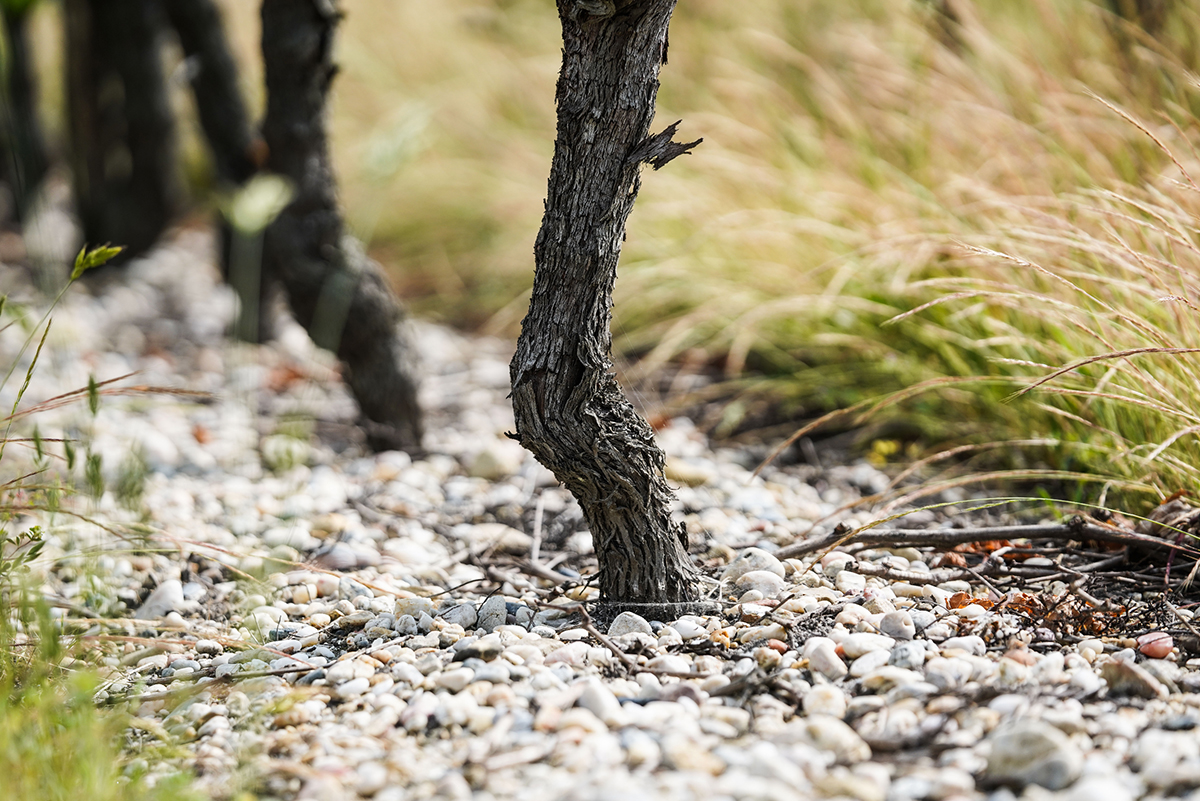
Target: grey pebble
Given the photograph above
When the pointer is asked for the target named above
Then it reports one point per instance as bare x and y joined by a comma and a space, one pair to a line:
898, 625
909, 655
1029, 751
485, 649
493, 613
462, 614
922, 619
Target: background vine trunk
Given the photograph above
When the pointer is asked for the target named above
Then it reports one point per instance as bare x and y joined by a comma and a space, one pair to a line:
26, 159
335, 291
122, 131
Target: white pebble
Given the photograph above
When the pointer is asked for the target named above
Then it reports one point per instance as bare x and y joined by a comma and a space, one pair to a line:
766, 582
825, 699
352, 688
823, 658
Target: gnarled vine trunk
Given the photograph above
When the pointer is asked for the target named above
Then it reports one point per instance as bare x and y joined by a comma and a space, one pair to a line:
335, 291
570, 411
122, 131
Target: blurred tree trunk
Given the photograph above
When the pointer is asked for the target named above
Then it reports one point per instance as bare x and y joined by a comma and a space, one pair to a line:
213, 75
26, 161
570, 411
338, 294
237, 152
122, 131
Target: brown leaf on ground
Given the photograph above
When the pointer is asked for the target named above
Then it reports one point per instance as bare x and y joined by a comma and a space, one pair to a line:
948, 559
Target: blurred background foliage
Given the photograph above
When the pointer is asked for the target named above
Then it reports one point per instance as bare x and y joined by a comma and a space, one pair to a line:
1023, 167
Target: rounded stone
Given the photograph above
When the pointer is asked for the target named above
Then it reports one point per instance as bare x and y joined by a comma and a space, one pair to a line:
493, 613
752, 559
864, 642
353, 688
825, 699
454, 680
826, 733
629, 623
868, 662
909, 655
898, 625
948, 675
823, 659
209, 647
689, 629
849, 582
1029, 751
764, 581
372, 777
463, 614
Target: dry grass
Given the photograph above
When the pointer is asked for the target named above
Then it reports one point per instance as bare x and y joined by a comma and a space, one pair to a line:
864, 162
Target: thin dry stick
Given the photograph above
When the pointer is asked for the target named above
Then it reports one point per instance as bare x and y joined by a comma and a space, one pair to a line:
1075, 529
591, 629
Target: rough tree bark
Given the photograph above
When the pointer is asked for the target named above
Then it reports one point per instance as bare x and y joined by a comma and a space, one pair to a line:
338, 294
570, 411
26, 161
122, 131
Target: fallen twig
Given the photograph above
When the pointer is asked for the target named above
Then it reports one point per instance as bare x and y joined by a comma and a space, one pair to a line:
626, 660
1077, 528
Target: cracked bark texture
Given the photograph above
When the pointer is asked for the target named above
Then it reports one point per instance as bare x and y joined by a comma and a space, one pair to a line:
570, 411
335, 291
122, 130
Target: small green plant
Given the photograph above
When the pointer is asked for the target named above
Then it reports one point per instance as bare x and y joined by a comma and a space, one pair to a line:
17, 552
54, 742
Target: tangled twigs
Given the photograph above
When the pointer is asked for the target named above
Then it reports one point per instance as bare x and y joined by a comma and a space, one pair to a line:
1077, 587
1186, 623
1077, 528
591, 629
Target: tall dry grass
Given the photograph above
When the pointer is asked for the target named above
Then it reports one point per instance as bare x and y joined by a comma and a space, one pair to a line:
884, 198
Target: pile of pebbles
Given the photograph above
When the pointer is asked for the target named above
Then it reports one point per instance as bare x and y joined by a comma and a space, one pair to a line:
318, 622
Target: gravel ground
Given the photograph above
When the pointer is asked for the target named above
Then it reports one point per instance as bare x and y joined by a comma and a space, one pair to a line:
310, 621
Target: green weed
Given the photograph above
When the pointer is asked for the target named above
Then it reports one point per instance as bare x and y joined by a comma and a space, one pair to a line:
54, 742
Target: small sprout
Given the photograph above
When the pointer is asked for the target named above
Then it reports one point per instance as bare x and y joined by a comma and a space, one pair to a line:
93, 475
93, 393
69, 453
87, 259
37, 444
18, 552
131, 481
